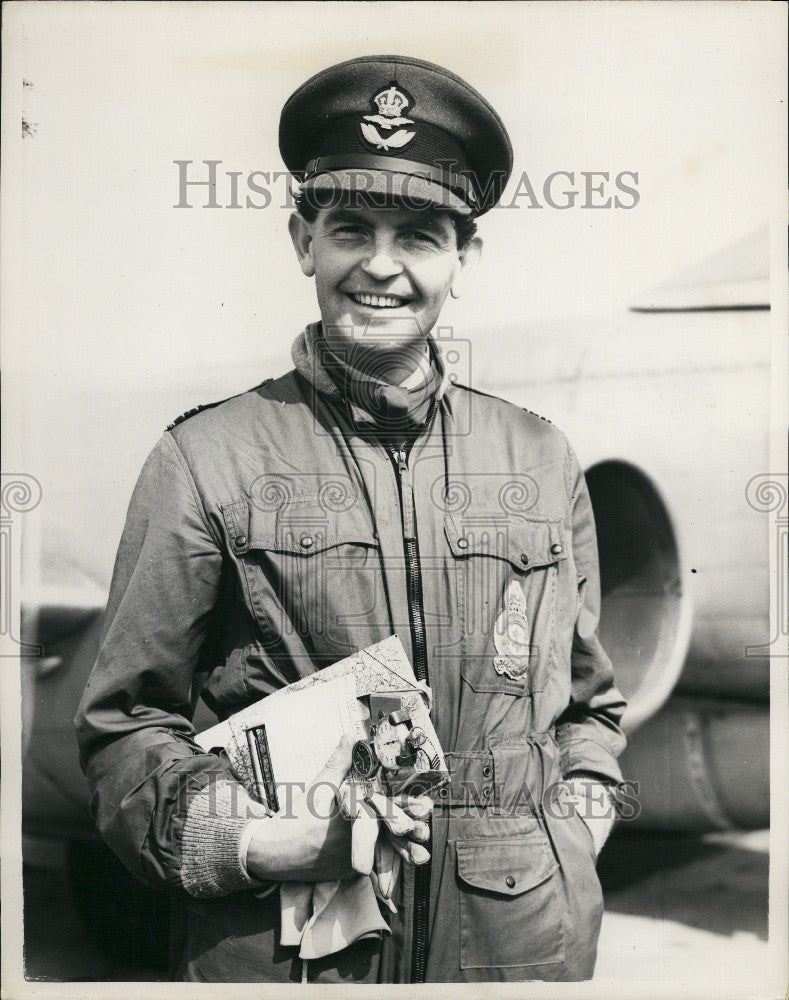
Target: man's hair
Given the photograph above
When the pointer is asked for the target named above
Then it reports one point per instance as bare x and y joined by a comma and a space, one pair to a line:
465, 227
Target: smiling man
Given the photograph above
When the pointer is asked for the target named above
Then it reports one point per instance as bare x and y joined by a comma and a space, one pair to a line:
363, 493
373, 266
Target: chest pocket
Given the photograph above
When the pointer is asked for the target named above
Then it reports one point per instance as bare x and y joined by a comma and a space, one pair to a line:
508, 575
311, 567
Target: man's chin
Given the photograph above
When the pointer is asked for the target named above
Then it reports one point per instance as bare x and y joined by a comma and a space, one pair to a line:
386, 329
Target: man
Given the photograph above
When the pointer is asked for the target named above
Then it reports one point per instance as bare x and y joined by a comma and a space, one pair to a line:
366, 493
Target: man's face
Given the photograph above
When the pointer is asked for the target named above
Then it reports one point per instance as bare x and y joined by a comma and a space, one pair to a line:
381, 274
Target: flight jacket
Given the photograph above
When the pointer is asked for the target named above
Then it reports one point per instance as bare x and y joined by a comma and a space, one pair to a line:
264, 541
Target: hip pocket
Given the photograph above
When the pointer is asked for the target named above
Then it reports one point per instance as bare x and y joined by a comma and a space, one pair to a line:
510, 906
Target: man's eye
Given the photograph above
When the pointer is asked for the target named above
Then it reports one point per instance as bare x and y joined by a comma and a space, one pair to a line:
349, 230
419, 236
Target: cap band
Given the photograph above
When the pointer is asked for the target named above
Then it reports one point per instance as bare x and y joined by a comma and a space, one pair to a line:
392, 164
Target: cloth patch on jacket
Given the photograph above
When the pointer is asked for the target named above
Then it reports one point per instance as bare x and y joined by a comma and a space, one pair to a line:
511, 635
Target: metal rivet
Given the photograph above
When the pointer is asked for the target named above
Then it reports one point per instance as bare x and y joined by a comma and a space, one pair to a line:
524, 559
511, 881
487, 770
462, 543
486, 792
557, 549
443, 792
307, 542
241, 540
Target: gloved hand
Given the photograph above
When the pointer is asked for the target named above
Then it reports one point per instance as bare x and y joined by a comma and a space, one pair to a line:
390, 852
403, 819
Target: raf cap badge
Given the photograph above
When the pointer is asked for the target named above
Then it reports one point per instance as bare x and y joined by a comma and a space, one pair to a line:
511, 635
390, 103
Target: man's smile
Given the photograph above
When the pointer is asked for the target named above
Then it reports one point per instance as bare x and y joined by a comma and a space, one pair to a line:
377, 301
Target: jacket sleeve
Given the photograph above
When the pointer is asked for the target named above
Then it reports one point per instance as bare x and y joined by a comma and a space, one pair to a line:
588, 731
173, 814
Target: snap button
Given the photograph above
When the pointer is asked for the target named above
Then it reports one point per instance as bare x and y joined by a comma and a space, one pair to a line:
557, 549
486, 792
510, 881
487, 770
240, 541
462, 543
443, 792
524, 559
307, 541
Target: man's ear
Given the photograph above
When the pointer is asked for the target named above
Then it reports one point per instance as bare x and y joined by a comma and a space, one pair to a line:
468, 257
301, 233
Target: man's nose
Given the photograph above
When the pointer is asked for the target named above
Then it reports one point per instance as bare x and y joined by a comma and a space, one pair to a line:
383, 264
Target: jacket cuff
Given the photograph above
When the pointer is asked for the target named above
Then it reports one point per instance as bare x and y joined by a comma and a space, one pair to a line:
211, 842
589, 776
588, 757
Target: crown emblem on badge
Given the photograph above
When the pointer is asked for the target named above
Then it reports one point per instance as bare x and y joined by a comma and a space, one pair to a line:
390, 103
511, 636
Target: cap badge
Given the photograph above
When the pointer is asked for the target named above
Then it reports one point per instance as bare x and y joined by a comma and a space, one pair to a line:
511, 635
390, 102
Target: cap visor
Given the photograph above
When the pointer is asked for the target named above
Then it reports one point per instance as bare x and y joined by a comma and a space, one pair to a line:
382, 185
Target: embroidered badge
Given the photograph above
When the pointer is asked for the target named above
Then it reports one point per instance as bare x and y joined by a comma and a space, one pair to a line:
511, 635
390, 103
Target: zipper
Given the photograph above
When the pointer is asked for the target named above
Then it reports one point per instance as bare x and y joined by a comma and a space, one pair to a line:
399, 456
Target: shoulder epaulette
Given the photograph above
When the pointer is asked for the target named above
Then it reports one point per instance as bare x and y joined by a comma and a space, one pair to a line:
478, 392
209, 406
490, 395
547, 421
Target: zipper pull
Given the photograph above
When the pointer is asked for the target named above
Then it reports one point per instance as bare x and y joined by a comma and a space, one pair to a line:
406, 493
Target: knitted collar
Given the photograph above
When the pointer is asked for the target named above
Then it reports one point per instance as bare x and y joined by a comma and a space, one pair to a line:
336, 379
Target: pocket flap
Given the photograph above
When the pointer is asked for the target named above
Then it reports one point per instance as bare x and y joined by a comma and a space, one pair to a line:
304, 527
506, 865
524, 543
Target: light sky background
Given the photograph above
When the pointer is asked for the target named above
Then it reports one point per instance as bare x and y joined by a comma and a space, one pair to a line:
116, 284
